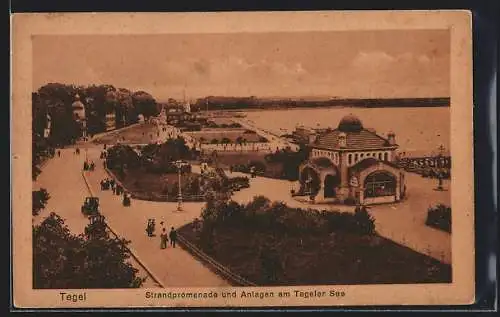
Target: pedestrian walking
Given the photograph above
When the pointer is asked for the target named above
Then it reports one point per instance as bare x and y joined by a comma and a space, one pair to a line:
59, 153
149, 228
173, 237
163, 239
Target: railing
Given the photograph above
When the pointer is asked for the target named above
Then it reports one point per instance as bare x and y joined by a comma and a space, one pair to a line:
214, 265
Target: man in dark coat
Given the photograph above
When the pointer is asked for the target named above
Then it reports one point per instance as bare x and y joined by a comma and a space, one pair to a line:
173, 237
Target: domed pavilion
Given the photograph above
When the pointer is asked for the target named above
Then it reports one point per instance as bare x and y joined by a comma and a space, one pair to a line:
352, 164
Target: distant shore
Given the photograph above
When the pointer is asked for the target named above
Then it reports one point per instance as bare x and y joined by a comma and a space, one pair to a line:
249, 104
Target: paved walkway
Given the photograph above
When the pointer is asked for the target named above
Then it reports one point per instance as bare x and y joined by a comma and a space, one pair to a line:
275, 140
67, 194
174, 267
403, 223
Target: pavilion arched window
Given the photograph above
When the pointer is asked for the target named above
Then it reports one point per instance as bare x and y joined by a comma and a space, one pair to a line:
380, 183
349, 159
380, 156
386, 156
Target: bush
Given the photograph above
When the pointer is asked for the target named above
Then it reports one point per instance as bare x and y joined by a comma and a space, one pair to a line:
40, 198
263, 215
439, 217
121, 155
365, 224
95, 260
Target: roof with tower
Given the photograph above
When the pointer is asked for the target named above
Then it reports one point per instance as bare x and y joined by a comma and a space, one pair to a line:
357, 137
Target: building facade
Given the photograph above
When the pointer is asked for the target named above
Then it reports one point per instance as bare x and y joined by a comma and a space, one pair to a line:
353, 164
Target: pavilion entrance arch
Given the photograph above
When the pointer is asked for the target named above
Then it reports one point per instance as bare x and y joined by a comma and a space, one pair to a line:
332, 181
310, 182
381, 183
321, 175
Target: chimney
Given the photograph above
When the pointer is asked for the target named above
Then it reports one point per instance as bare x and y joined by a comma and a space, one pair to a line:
391, 138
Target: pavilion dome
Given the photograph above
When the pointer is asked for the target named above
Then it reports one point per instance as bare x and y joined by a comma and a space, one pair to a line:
350, 123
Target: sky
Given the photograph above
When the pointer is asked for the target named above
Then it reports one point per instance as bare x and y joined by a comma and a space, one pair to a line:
348, 64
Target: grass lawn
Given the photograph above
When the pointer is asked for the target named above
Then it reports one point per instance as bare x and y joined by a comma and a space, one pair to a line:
139, 134
323, 259
143, 184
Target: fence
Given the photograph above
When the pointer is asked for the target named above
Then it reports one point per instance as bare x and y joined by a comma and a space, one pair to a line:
232, 147
214, 265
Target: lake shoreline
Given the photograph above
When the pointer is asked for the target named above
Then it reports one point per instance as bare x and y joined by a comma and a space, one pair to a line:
320, 107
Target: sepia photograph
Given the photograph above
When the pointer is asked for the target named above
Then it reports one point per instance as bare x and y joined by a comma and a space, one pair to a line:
233, 167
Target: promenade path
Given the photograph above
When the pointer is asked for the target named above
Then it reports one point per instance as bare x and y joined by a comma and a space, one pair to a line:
404, 222
275, 140
173, 267
62, 178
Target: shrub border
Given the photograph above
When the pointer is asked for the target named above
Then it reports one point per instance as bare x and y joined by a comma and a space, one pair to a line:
215, 266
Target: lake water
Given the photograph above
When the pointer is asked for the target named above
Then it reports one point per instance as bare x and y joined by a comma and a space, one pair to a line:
418, 130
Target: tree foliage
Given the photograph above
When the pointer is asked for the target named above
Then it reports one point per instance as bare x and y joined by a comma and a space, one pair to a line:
95, 260
56, 100
439, 217
145, 104
40, 199
264, 215
290, 161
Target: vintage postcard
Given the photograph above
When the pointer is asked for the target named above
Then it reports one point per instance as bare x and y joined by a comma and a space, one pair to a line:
244, 159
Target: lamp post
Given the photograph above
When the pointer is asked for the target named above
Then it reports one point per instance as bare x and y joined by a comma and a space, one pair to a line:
179, 164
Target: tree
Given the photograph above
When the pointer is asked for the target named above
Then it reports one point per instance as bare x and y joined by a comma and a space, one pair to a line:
120, 156
173, 150
125, 111
40, 199
239, 141
365, 222
63, 260
145, 104
270, 262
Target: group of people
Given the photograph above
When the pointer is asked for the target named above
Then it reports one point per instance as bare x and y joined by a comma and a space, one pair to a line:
164, 236
117, 189
111, 184
88, 166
